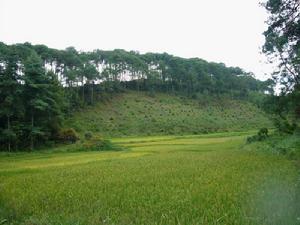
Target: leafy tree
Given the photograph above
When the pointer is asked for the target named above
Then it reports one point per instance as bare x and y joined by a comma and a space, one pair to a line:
40, 100
91, 75
282, 44
282, 38
39, 86
10, 91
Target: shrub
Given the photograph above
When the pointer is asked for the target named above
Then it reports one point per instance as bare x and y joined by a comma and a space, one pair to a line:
251, 139
282, 150
151, 93
98, 143
88, 135
292, 154
261, 135
68, 135
284, 126
194, 96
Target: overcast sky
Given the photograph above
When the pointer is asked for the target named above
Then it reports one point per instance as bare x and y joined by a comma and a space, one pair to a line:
221, 31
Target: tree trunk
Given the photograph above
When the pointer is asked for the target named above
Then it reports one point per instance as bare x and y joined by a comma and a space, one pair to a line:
82, 79
8, 128
31, 136
92, 94
138, 82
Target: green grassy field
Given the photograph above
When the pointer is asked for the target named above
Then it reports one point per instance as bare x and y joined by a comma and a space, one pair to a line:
206, 179
133, 113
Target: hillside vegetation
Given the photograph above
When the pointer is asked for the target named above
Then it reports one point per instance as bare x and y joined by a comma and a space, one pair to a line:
41, 86
137, 113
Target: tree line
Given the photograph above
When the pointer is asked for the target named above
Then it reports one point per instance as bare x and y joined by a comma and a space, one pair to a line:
282, 45
40, 85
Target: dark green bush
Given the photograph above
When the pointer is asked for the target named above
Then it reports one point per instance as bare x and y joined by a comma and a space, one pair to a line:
263, 132
261, 135
98, 143
284, 126
68, 135
88, 135
292, 154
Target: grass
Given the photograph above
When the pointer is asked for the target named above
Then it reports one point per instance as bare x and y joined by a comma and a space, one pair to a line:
203, 179
138, 114
277, 143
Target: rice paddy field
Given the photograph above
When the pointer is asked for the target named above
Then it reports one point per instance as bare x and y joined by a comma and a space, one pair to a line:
200, 179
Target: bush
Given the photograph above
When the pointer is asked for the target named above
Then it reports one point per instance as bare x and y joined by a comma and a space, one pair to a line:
292, 154
151, 93
68, 135
88, 135
98, 143
251, 139
284, 126
261, 135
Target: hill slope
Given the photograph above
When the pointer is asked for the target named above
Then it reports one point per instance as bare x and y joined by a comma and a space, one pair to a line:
133, 113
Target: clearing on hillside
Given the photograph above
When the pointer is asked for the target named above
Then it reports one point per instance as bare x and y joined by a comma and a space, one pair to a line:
136, 113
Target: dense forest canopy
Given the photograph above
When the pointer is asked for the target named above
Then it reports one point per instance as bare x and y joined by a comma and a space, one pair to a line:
40, 85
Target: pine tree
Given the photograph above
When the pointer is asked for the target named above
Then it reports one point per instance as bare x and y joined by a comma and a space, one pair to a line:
10, 92
40, 100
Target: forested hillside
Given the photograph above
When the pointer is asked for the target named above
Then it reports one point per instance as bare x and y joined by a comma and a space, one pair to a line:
39, 86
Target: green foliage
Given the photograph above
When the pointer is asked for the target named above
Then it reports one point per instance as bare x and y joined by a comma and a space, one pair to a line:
162, 180
8, 135
68, 135
280, 144
263, 132
40, 86
261, 135
282, 45
282, 40
288, 145
98, 143
31, 109
133, 113
284, 126
88, 135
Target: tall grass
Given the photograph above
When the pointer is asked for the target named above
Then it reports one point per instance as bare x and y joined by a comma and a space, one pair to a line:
160, 180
